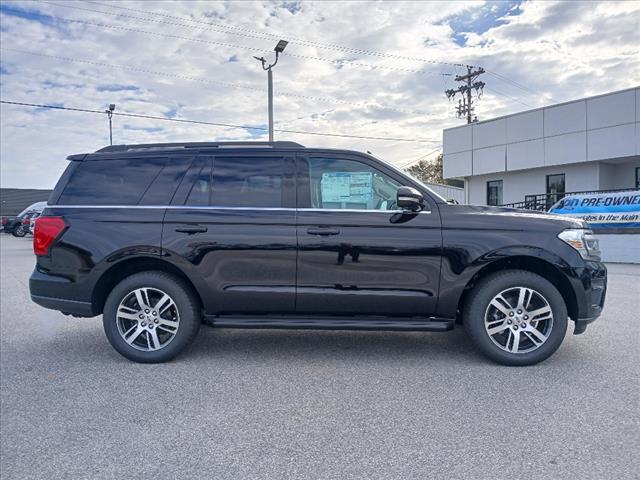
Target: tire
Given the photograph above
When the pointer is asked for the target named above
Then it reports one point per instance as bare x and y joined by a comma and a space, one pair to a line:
19, 231
161, 333
492, 319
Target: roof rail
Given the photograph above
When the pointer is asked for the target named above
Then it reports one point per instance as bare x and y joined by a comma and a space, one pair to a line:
173, 146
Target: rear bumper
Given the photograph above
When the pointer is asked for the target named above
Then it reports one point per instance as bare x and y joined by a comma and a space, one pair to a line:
59, 293
591, 289
71, 307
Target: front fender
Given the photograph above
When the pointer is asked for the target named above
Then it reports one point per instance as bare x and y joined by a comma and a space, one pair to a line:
460, 268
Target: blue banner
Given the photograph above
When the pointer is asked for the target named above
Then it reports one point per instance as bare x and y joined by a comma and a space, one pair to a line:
603, 210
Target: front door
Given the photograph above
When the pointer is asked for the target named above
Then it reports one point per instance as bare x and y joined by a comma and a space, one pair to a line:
231, 228
357, 252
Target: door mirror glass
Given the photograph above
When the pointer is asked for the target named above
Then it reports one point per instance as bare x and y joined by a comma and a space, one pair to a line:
410, 199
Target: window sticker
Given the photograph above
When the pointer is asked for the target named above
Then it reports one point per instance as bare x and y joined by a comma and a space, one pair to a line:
347, 187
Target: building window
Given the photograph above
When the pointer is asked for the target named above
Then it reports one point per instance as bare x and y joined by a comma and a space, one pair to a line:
555, 188
494, 192
637, 177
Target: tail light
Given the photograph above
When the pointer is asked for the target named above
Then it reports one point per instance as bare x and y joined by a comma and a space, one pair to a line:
5, 220
46, 231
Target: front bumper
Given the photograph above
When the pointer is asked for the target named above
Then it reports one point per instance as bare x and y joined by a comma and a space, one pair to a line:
590, 286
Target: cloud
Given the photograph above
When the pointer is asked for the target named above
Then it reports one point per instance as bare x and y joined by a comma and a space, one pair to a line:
117, 88
558, 50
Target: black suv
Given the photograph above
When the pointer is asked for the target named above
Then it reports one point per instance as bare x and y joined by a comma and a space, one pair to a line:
159, 238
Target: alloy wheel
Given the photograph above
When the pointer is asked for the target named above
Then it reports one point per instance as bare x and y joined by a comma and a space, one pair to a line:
147, 319
518, 320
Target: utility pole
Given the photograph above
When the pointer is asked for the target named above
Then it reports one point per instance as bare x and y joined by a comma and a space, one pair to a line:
465, 105
282, 44
109, 112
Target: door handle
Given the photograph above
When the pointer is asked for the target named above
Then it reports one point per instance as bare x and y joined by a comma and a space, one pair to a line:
191, 229
323, 231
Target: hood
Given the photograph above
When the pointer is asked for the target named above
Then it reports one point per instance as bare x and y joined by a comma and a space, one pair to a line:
483, 217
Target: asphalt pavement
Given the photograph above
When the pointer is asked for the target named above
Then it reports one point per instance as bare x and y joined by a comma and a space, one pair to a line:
313, 404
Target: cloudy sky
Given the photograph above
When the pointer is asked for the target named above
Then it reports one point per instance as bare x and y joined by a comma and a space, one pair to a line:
372, 69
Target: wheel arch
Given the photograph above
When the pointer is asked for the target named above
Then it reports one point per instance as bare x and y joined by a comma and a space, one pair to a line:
532, 264
121, 270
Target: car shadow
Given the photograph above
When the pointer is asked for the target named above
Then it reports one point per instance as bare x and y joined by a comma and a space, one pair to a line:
87, 343
312, 345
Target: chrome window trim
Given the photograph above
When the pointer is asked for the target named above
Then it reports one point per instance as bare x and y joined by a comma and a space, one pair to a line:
269, 209
355, 210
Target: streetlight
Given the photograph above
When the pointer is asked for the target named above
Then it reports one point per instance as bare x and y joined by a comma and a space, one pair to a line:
281, 45
109, 112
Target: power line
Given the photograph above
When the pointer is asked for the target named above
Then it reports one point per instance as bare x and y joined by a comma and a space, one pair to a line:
217, 82
510, 97
367, 65
519, 85
156, 34
327, 46
231, 45
261, 35
254, 49
417, 160
135, 69
289, 54
217, 124
211, 26
334, 47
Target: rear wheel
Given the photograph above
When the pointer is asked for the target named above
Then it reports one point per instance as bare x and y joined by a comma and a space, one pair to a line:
151, 317
19, 231
516, 317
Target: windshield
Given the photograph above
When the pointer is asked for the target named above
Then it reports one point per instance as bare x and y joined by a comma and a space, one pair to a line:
407, 174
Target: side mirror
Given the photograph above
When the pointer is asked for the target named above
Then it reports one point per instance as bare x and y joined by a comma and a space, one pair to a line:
409, 198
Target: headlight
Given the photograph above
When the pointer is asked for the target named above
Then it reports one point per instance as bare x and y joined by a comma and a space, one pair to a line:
583, 241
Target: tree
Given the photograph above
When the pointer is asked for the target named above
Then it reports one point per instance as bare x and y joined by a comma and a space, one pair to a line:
430, 171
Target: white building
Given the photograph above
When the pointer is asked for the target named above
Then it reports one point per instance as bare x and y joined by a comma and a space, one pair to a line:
448, 192
585, 145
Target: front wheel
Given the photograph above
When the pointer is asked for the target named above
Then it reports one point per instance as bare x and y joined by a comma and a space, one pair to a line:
151, 317
516, 317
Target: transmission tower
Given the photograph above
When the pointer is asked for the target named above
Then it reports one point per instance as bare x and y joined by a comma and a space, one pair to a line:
465, 105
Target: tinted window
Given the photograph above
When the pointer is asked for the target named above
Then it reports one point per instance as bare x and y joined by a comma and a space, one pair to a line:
494, 192
201, 188
164, 186
347, 184
247, 182
111, 182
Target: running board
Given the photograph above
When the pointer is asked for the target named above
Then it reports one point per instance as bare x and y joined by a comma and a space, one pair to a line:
333, 323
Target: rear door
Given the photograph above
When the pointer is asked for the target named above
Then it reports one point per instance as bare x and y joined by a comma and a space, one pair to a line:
359, 254
231, 228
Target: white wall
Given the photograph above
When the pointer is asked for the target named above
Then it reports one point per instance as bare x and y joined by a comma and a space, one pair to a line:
448, 192
618, 175
457, 165
608, 176
625, 174
620, 248
515, 185
591, 129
